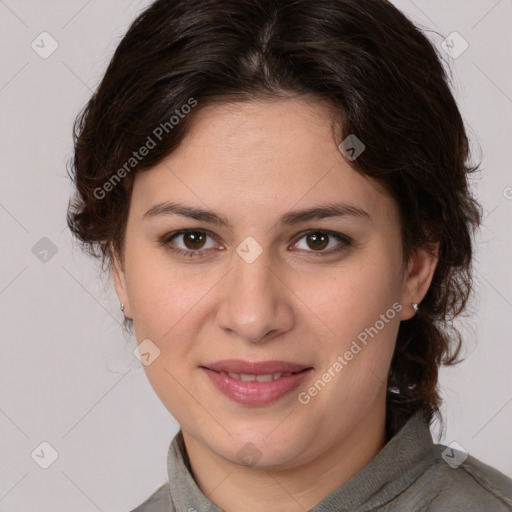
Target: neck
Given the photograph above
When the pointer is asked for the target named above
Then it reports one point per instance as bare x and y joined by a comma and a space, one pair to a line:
235, 488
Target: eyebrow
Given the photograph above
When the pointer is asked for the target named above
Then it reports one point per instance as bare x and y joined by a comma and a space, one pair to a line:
288, 219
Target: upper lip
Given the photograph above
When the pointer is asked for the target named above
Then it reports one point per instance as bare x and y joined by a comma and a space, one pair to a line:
255, 367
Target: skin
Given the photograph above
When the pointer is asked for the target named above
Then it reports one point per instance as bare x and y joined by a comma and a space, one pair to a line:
252, 162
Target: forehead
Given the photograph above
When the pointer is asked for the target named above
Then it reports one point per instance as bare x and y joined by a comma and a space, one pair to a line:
257, 158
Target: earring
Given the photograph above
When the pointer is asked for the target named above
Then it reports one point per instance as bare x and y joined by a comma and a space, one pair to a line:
121, 305
415, 307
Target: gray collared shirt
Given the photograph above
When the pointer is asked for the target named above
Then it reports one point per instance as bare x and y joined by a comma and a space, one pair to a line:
409, 474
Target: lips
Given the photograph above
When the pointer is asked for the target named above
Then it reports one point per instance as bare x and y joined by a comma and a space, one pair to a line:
255, 383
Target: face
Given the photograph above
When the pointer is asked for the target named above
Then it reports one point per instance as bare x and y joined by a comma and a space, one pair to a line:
314, 299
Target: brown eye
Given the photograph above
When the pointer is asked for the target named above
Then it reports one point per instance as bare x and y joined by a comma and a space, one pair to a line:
194, 239
192, 243
317, 240
320, 243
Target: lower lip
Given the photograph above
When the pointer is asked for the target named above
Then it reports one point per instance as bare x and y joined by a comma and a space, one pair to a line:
256, 393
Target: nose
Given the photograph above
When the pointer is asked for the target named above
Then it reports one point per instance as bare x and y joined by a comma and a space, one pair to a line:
255, 302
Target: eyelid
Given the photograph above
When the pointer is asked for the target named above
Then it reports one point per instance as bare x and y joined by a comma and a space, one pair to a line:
340, 237
169, 236
344, 240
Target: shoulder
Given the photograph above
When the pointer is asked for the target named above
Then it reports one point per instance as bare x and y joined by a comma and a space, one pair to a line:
159, 501
470, 486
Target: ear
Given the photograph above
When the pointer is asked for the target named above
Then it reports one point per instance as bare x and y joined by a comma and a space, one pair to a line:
417, 279
120, 281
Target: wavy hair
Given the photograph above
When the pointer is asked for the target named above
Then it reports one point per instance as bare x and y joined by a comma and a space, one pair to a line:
386, 83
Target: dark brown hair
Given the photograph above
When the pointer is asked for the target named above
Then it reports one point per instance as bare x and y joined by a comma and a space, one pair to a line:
386, 84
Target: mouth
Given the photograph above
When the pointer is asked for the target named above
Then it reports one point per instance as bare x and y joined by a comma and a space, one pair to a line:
255, 383
266, 377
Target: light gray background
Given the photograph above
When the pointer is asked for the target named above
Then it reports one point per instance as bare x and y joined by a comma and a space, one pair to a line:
68, 376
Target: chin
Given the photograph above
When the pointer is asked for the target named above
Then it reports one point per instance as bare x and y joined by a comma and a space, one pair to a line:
260, 444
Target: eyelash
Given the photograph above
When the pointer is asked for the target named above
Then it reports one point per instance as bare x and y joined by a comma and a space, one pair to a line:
165, 240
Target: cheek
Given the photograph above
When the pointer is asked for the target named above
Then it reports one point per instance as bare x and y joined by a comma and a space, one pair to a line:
352, 296
357, 309
162, 295
166, 307
359, 353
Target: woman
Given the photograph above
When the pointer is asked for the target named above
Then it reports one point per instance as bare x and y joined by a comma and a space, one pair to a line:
281, 192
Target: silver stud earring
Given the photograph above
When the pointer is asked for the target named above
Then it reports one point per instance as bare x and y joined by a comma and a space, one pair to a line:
121, 305
415, 307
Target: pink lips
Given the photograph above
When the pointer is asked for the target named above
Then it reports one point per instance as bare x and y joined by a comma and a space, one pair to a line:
255, 383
